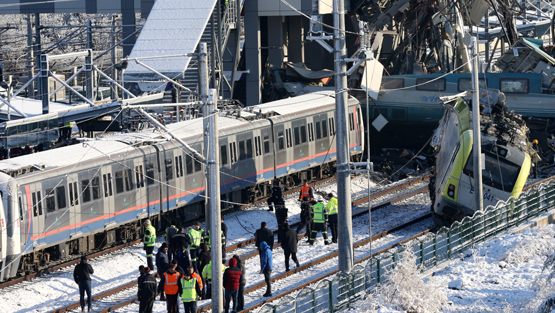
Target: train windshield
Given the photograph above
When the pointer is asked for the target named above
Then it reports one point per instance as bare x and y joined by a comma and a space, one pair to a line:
499, 173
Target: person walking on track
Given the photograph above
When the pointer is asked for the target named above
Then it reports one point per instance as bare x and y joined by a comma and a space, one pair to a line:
332, 211
306, 191
266, 266
149, 240
82, 276
289, 245
306, 218
276, 197
170, 232
162, 265
319, 221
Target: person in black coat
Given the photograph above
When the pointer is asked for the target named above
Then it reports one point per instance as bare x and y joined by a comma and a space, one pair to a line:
147, 292
204, 256
289, 245
82, 277
306, 218
140, 281
276, 196
224, 230
162, 265
180, 241
281, 217
264, 234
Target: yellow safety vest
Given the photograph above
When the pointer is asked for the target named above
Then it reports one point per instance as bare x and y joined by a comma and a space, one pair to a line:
189, 291
196, 236
207, 270
318, 213
150, 236
207, 238
332, 206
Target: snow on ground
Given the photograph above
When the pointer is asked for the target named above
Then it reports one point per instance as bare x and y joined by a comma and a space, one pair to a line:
501, 275
57, 289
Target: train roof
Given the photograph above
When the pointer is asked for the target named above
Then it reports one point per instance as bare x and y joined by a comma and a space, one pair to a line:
190, 131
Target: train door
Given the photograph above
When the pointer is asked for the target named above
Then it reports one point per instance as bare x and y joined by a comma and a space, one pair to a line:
321, 131
300, 141
168, 178
37, 209
179, 173
56, 205
226, 177
152, 182
267, 150
24, 209
124, 194
279, 145
107, 183
73, 198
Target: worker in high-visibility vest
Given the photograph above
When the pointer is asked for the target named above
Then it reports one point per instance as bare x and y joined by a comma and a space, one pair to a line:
306, 191
207, 277
195, 238
332, 211
319, 221
169, 282
189, 290
148, 240
207, 238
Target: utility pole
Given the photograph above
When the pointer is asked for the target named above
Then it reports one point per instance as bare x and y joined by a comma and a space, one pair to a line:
345, 223
113, 59
204, 98
214, 195
477, 150
38, 53
30, 69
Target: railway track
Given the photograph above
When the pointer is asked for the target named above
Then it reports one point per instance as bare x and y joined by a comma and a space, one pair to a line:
106, 303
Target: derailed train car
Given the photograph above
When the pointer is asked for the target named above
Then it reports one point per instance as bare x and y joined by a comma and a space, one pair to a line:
507, 161
75, 199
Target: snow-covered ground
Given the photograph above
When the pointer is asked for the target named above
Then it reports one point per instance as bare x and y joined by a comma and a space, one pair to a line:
500, 275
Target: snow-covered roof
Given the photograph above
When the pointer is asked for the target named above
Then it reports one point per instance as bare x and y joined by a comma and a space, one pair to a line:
172, 28
300, 103
32, 107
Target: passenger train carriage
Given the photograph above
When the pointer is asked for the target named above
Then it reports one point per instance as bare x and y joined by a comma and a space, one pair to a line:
87, 196
507, 162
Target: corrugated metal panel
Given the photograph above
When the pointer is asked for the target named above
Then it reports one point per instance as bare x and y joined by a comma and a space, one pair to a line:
172, 28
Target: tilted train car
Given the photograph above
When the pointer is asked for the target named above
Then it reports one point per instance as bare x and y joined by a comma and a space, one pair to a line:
507, 162
79, 198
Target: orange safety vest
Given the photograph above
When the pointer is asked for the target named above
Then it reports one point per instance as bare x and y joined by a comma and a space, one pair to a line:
170, 283
304, 191
199, 279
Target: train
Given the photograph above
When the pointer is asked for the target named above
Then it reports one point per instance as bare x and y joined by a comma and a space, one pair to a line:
508, 160
68, 201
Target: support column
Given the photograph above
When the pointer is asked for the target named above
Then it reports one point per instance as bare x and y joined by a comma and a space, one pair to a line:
275, 41
128, 18
204, 81
30, 69
38, 48
252, 52
43, 91
88, 76
295, 51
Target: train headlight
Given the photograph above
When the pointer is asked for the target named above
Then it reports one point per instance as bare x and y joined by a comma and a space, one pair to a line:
451, 191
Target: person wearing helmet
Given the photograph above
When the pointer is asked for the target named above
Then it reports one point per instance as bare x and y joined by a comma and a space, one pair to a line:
319, 221
332, 211
148, 240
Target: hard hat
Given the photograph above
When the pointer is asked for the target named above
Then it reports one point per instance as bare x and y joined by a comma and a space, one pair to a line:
147, 222
320, 199
535, 141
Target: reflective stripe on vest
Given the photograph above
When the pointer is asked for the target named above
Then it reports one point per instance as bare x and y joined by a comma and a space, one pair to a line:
189, 291
195, 237
332, 206
305, 192
150, 239
207, 239
170, 284
318, 213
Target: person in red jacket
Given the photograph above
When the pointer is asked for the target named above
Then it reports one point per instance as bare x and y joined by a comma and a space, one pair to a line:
232, 279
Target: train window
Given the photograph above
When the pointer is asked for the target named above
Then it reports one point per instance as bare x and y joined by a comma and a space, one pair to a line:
119, 181
257, 146
189, 164
318, 131
35, 210
392, 83
310, 132
232, 153
85, 190
20, 209
139, 176
266, 143
499, 173
72, 198
281, 143
50, 201
288, 135
249, 148
128, 179
61, 196
223, 154
324, 129
169, 169
514, 85
107, 185
466, 84
96, 188
297, 136
150, 173
180, 163
242, 153
431, 84
76, 193
198, 165
332, 126
352, 121
39, 200
303, 134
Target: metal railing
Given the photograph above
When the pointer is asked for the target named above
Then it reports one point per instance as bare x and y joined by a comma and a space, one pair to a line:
329, 295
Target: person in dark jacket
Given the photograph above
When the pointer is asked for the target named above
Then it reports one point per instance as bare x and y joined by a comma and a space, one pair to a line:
281, 217
189, 294
162, 264
266, 266
140, 281
82, 276
306, 218
178, 268
232, 280
276, 195
170, 232
240, 294
264, 235
224, 242
182, 258
180, 241
148, 292
289, 245
204, 256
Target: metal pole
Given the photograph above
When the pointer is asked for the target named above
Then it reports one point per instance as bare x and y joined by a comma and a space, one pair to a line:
204, 99
214, 48
43, 90
368, 160
345, 222
487, 38
88, 76
38, 50
113, 59
477, 151
30, 69
214, 194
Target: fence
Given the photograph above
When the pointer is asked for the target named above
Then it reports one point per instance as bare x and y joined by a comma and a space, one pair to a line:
330, 295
